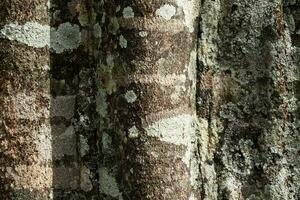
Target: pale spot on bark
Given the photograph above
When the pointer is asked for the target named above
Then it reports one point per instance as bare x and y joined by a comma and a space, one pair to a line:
130, 96
31, 33
167, 11
176, 130
128, 12
133, 132
143, 33
108, 183
123, 42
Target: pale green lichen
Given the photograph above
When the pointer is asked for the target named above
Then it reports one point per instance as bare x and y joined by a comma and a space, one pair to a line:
31, 33
84, 147
122, 42
108, 183
167, 11
106, 143
130, 96
97, 31
110, 60
66, 37
128, 12
101, 103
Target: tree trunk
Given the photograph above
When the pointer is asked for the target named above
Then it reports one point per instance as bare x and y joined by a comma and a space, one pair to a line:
72, 106
247, 99
128, 100
25, 139
146, 99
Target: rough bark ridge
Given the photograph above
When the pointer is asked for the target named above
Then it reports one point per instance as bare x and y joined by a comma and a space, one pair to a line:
47, 101
146, 99
113, 100
25, 139
248, 90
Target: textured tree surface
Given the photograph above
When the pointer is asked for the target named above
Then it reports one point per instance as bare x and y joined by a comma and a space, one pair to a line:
149, 99
248, 90
25, 143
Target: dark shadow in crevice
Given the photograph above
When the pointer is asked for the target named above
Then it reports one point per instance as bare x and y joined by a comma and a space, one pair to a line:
73, 109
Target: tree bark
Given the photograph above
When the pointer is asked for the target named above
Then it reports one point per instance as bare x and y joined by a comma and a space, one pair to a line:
25, 139
146, 99
247, 99
75, 152
118, 100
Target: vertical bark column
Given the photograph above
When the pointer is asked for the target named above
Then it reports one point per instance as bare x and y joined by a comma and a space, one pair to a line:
146, 99
247, 100
25, 137
73, 96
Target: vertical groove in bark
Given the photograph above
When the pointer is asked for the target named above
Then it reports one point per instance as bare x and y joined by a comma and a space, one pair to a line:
146, 99
247, 100
25, 137
73, 99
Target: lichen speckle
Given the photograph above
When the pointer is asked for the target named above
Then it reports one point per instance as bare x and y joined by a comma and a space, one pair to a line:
128, 12
97, 31
123, 42
133, 132
143, 33
130, 96
167, 11
108, 184
66, 37
84, 146
31, 33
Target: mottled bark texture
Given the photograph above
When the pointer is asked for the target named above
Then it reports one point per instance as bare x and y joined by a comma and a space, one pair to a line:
248, 99
47, 100
128, 100
73, 99
146, 99
25, 139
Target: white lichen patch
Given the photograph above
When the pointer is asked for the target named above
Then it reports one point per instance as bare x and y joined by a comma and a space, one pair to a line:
166, 11
108, 183
192, 197
128, 12
31, 33
143, 33
130, 96
122, 42
133, 132
176, 130
191, 11
66, 37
